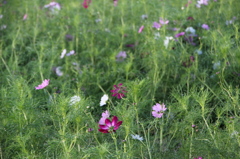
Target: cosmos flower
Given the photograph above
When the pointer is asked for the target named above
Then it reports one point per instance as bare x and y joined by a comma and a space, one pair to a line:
110, 126
137, 137
162, 21
105, 115
54, 7
115, 2
158, 110
44, 84
104, 99
58, 71
201, 2
70, 53
25, 16
156, 25
118, 91
75, 99
205, 26
166, 41
86, 3
121, 56
179, 34
190, 30
63, 53
140, 29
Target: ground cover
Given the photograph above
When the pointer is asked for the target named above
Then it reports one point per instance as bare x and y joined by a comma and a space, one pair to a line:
119, 79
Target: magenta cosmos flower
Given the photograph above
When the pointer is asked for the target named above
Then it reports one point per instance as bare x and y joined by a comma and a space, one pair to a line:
86, 3
110, 126
158, 110
44, 84
119, 91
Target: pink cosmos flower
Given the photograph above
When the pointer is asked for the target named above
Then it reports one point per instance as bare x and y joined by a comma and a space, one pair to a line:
156, 25
105, 115
119, 91
205, 26
54, 7
110, 126
179, 34
25, 16
198, 158
44, 84
115, 2
201, 2
86, 3
158, 110
121, 56
140, 29
163, 22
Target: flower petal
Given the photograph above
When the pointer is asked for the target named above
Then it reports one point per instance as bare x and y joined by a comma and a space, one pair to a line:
117, 125
108, 122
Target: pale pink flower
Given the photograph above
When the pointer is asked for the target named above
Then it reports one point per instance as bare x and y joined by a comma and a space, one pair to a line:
25, 16
205, 26
162, 21
115, 2
54, 7
121, 56
105, 115
44, 84
158, 110
140, 29
201, 2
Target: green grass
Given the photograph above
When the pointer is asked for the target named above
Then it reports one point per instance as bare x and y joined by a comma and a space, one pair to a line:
42, 123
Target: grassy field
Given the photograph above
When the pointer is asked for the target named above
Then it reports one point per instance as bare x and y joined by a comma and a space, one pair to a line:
120, 79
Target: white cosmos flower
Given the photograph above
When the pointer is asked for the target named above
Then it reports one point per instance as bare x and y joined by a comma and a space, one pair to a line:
63, 53
58, 71
54, 7
190, 30
70, 53
74, 100
166, 41
137, 137
104, 100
